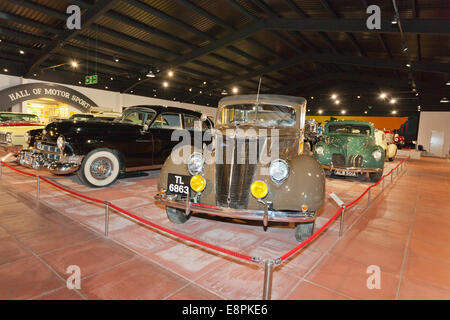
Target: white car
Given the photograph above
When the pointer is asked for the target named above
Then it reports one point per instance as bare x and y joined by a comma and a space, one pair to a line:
390, 149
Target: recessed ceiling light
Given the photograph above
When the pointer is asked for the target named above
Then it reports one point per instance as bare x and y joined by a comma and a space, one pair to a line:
200, 91
358, 97
444, 100
312, 98
337, 101
106, 87
320, 111
79, 82
365, 112
112, 78
333, 96
382, 95
170, 73
224, 92
408, 65
447, 83
190, 89
21, 52
393, 101
150, 74
204, 82
404, 47
165, 84
235, 89
395, 19
131, 91
116, 59
343, 111
5, 70
74, 64
309, 110
394, 111
139, 79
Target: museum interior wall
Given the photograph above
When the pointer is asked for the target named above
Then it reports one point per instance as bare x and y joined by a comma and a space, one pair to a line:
434, 133
114, 101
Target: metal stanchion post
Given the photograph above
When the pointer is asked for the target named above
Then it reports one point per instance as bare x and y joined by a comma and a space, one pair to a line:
106, 218
382, 185
341, 227
368, 198
268, 266
38, 187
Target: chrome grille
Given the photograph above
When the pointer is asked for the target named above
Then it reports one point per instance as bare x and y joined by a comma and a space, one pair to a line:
47, 148
355, 161
338, 160
242, 173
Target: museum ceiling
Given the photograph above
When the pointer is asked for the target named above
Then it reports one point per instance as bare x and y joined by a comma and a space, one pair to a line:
310, 48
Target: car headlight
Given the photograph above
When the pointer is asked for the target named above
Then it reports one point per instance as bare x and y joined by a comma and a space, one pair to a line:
319, 150
27, 137
198, 183
278, 170
259, 189
195, 163
8, 137
61, 143
377, 155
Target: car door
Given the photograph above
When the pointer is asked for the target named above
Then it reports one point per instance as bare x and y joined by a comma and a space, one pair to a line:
162, 128
138, 148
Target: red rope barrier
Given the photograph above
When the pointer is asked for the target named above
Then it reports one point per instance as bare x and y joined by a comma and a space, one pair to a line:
313, 236
144, 221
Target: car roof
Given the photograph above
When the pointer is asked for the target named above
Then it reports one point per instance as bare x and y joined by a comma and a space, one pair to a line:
18, 113
350, 122
159, 109
263, 98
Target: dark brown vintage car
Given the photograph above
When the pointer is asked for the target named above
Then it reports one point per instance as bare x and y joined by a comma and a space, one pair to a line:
255, 168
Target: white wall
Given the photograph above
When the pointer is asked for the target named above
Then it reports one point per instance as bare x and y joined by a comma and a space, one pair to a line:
429, 121
109, 99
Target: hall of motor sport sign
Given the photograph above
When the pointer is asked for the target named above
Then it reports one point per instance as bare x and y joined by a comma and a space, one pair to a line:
17, 94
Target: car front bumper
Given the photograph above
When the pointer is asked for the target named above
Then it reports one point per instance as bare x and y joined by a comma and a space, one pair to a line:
39, 160
265, 215
350, 169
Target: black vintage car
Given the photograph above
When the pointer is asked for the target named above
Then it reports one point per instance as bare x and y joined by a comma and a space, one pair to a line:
99, 150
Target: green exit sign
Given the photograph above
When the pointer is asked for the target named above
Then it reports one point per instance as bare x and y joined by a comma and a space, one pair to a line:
91, 79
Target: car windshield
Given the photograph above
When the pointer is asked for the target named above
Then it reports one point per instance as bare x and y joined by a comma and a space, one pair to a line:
81, 117
138, 117
17, 117
262, 115
349, 129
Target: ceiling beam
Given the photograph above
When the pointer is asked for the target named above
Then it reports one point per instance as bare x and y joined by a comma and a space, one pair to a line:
88, 17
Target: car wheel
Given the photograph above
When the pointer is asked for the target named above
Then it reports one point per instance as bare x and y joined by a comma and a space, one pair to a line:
375, 176
100, 168
303, 231
177, 216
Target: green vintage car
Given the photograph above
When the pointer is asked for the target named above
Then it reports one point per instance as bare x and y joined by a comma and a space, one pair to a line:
348, 148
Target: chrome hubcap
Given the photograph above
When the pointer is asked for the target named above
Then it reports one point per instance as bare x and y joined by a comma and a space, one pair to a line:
101, 168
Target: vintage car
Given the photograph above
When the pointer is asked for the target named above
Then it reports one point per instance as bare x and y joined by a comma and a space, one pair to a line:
13, 128
311, 133
348, 148
99, 151
385, 139
255, 168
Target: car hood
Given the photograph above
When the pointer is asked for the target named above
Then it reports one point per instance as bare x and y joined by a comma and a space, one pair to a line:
71, 129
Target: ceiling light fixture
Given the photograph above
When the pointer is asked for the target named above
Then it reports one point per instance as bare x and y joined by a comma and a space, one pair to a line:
21, 52
320, 111
395, 19
447, 83
383, 95
150, 74
116, 59
312, 98
165, 84
337, 101
224, 92
393, 101
365, 112
190, 89
358, 97
404, 47
334, 96
394, 111
74, 64
343, 111
408, 65
5, 70
444, 100
170, 73
235, 90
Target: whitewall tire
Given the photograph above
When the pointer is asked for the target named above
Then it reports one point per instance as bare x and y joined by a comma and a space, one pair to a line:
100, 168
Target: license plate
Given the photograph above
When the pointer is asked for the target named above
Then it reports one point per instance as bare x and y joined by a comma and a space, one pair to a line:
178, 184
346, 173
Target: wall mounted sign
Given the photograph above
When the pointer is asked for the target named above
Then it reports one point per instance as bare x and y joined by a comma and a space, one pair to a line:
91, 79
17, 94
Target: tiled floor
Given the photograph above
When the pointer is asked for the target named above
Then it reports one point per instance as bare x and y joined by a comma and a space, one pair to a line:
405, 233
